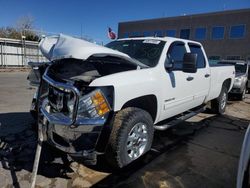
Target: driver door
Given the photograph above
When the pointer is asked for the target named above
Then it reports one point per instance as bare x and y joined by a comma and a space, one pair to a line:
178, 86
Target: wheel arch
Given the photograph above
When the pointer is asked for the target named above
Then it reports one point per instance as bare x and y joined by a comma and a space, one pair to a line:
146, 102
228, 84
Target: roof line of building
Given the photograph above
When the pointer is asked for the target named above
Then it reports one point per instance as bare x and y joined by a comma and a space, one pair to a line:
191, 15
17, 41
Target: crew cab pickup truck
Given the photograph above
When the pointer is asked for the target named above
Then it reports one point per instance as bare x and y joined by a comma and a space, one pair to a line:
95, 100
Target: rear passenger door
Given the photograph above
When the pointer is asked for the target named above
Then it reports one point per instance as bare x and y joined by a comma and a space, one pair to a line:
201, 79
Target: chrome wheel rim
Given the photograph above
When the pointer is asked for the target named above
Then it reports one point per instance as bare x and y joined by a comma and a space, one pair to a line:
223, 100
137, 141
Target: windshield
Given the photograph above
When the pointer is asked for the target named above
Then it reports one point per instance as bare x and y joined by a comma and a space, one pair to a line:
146, 51
239, 67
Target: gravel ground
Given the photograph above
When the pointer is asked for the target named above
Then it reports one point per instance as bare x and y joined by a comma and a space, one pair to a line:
201, 152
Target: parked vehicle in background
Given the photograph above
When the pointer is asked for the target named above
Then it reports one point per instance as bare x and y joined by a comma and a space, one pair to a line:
241, 82
248, 80
96, 100
243, 177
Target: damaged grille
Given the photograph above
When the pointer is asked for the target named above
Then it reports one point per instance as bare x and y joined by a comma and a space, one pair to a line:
59, 99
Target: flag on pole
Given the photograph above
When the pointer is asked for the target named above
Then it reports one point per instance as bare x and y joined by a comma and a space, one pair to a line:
111, 34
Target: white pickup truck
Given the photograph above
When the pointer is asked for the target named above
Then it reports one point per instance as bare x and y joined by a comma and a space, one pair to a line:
95, 100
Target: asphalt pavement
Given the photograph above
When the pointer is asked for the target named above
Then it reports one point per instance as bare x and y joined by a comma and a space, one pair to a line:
200, 152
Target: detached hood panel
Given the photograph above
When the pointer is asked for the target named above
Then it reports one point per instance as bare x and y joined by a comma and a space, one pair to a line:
63, 46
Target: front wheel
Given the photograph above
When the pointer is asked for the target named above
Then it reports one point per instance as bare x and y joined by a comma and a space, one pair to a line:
219, 104
131, 136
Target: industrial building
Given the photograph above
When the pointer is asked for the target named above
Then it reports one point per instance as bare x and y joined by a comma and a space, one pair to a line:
14, 52
224, 35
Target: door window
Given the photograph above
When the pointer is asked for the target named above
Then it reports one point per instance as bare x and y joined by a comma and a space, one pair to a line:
175, 55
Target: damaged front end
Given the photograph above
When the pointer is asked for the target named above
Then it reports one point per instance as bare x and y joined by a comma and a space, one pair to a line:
76, 117
73, 114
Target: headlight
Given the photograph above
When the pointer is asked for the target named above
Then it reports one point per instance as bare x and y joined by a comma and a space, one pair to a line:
92, 105
238, 79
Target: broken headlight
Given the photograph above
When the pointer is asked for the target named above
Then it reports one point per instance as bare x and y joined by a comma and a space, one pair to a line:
93, 105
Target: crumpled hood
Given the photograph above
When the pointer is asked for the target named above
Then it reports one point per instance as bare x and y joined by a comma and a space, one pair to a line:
63, 46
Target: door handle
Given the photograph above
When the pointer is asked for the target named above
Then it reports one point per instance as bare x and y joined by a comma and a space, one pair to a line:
207, 75
190, 78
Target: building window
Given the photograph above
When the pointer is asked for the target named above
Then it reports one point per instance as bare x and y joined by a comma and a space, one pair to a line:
233, 57
158, 33
218, 32
214, 57
147, 33
171, 33
185, 33
135, 34
125, 35
200, 33
237, 31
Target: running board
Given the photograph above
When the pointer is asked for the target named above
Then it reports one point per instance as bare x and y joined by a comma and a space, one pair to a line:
179, 119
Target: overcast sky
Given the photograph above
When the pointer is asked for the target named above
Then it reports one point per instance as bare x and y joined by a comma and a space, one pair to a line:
92, 17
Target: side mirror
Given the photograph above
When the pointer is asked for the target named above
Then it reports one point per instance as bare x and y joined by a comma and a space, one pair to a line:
169, 66
190, 63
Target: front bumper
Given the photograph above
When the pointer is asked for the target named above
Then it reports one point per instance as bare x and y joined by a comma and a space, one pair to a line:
78, 137
237, 89
78, 141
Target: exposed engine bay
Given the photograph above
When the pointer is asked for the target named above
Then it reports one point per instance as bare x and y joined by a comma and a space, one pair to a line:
88, 70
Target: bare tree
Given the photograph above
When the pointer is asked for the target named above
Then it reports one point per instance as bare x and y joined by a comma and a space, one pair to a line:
24, 27
25, 23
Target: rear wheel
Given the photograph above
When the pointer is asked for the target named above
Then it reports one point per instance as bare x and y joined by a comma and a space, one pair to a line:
131, 136
218, 105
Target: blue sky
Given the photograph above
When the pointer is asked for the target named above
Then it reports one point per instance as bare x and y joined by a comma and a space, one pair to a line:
93, 16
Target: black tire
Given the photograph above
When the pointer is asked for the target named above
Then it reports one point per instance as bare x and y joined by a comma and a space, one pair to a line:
129, 119
218, 105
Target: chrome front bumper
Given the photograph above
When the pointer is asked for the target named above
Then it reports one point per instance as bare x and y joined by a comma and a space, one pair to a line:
71, 134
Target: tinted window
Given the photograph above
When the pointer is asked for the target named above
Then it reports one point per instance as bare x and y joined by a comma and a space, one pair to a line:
147, 51
237, 31
201, 63
218, 32
185, 33
200, 33
171, 33
239, 67
175, 55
